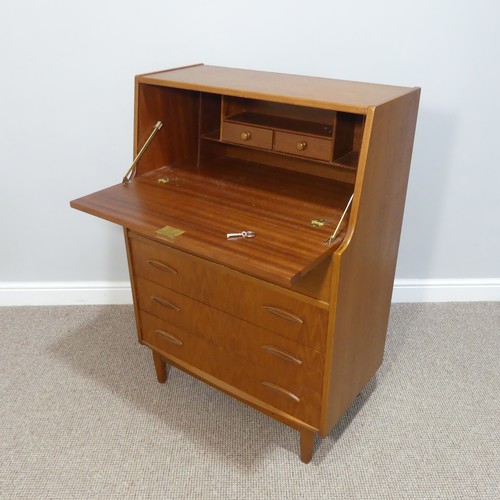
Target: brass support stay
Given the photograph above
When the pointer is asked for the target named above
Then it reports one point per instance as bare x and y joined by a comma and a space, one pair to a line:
130, 172
332, 237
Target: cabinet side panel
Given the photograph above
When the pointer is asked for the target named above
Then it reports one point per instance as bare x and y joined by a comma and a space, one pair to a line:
364, 269
132, 282
177, 140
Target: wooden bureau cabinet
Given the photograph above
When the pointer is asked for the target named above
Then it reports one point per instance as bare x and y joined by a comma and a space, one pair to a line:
293, 320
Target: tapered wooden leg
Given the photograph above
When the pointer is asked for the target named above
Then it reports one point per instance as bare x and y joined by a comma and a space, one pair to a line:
307, 439
160, 367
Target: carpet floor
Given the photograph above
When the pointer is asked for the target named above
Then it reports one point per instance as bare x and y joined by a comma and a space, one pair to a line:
83, 417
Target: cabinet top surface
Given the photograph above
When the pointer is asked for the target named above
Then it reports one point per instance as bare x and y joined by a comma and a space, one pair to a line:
303, 90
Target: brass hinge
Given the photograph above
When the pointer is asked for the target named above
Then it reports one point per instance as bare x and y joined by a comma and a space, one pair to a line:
318, 222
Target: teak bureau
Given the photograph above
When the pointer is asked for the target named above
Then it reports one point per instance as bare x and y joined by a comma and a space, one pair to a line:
293, 320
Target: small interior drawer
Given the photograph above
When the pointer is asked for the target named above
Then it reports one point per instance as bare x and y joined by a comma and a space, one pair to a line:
249, 136
303, 145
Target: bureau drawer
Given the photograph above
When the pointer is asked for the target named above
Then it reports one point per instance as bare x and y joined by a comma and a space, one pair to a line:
247, 298
287, 360
249, 136
196, 353
303, 145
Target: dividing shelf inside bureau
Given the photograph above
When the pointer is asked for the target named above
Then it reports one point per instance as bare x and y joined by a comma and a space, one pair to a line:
230, 195
325, 138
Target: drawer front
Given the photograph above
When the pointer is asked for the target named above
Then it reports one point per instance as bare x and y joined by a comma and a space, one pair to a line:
288, 361
303, 145
176, 344
249, 136
247, 298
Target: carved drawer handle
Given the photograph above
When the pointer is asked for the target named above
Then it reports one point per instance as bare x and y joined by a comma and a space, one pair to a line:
168, 336
280, 390
246, 136
165, 303
161, 266
284, 314
281, 354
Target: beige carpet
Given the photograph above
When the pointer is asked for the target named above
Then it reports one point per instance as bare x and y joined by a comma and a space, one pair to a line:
82, 416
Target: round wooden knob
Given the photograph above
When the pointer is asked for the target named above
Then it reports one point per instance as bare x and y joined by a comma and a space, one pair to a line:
245, 136
301, 146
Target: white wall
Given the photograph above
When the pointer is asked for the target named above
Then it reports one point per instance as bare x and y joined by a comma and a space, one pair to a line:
66, 118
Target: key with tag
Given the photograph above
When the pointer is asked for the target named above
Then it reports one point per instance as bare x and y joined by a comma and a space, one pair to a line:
243, 234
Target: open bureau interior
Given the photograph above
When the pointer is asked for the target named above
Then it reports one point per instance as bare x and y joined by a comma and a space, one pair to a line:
291, 320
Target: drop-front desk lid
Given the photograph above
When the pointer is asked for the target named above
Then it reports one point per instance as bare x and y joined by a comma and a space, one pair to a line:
230, 196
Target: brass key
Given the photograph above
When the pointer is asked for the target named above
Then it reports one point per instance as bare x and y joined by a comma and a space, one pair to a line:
243, 234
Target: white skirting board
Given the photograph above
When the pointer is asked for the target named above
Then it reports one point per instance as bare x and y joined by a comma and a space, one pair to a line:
119, 292
447, 290
65, 293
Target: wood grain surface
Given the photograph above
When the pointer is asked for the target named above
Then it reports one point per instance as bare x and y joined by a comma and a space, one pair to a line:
226, 196
240, 338
251, 300
341, 95
365, 264
284, 322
